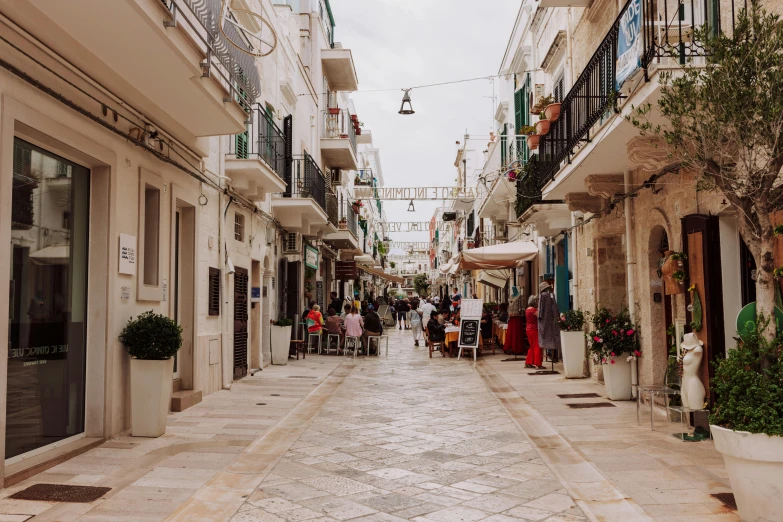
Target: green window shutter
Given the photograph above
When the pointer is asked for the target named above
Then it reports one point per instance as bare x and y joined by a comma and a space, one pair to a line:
519, 108
241, 145
270, 131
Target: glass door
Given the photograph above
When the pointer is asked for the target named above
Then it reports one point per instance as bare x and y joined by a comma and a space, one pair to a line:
48, 300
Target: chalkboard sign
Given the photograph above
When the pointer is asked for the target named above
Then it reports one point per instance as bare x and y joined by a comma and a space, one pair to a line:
319, 294
469, 333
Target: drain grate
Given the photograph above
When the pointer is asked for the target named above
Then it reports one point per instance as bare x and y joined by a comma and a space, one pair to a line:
578, 395
61, 493
580, 405
300, 377
727, 499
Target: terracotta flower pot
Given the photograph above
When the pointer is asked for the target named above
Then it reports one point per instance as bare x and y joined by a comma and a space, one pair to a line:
552, 112
334, 110
542, 127
354, 118
532, 141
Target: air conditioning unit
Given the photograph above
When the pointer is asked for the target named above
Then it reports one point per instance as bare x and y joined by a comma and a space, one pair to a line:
292, 243
449, 216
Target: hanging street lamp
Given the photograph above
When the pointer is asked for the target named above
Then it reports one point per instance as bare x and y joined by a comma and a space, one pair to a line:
406, 98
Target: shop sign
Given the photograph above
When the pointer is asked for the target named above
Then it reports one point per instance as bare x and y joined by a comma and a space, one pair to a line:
127, 254
629, 43
311, 257
345, 270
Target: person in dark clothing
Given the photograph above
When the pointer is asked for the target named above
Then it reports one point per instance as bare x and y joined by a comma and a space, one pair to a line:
372, 326
435, 330
486, 324
503, 316
445, 305
335, 303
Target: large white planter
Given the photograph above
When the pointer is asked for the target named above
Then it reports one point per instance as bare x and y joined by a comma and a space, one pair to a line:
617, 378
573, 346
281, 343
754, 462
150, 396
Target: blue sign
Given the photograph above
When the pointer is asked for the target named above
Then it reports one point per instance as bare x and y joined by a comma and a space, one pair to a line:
629, 43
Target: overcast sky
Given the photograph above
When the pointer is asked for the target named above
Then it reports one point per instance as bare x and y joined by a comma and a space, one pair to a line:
400, 43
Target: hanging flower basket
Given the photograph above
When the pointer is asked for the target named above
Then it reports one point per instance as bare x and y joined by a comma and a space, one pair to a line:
342, 224
532, 141
542, 127
354, 118
552, 112
334, 110
358, 131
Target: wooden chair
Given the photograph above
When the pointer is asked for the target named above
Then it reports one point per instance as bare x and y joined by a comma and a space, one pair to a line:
296, 347
436, 346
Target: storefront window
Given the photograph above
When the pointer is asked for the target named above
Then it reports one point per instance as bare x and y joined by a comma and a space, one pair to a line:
48, 300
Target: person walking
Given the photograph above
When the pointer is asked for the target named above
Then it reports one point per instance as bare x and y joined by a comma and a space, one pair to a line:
534, 358
548, 321
401, 314
416, 326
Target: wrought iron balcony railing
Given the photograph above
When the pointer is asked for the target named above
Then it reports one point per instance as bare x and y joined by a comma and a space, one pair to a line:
667, 31
307, 181
263, 139
235, 70
364, 177
349, 216
339, 125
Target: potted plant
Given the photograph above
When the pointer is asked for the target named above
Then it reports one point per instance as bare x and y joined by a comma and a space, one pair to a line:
747, 421
679, 276
280, 336
342, 224
552, 111
542, 127
152, 340
572, 341
334, 111
532, 137
679, 257
354, 119
613, 343
356, 205
542, 102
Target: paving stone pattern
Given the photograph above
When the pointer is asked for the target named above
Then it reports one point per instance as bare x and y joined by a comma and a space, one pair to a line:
411, 438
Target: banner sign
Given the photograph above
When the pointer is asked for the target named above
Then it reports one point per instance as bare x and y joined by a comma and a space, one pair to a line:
311, 257
413, 226
345, 270
404, 194
629, 43
408, 246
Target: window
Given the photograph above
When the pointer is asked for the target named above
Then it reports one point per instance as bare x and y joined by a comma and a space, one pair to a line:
213, 294
150, 233
522, 117
239, 227
241, 145
558, 88
503, 146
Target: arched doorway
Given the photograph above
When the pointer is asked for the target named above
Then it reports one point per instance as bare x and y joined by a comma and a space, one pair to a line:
660, 306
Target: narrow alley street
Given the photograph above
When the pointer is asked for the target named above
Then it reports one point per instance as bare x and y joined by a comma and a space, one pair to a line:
382, 439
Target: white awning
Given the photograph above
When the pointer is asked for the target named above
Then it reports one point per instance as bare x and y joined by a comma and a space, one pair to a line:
450, 267
505, 255
492, 279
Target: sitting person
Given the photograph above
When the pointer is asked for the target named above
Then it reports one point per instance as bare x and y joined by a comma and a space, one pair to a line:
435, 330
372, 326
455, 318
315, 321
346, 311
333, 325
486, 324
503, 316
353, 324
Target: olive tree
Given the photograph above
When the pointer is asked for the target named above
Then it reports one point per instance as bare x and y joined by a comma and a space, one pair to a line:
723, 118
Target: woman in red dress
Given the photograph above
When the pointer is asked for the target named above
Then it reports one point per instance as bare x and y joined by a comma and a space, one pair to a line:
534, 355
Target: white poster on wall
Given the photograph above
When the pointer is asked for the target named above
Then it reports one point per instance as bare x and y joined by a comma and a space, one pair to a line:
127, 254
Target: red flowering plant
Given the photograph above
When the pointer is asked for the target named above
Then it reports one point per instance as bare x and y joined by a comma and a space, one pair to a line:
613, 336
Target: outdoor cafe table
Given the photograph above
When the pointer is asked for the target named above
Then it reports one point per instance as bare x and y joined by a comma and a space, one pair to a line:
499, 331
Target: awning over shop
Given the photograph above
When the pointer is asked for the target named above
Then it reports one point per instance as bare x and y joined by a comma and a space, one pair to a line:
493, 279
505, 255
51, 255
381, 274
450, 267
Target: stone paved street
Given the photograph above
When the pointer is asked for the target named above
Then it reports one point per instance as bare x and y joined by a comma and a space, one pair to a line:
411, 438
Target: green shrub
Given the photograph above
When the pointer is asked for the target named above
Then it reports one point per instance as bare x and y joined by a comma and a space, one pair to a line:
284, 321
152, 336
573, 320
748, 384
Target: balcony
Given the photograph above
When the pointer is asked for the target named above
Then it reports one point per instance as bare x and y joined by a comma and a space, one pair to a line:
598, 101
338, 142
302, 207
364, 178
166, 58
347, 234
256, 159
339, 69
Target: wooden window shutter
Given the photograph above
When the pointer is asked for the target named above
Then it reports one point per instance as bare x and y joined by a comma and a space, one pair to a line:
213, 294
241, 145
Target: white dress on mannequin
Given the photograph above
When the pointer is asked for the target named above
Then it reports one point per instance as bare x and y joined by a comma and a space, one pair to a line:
692, 390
